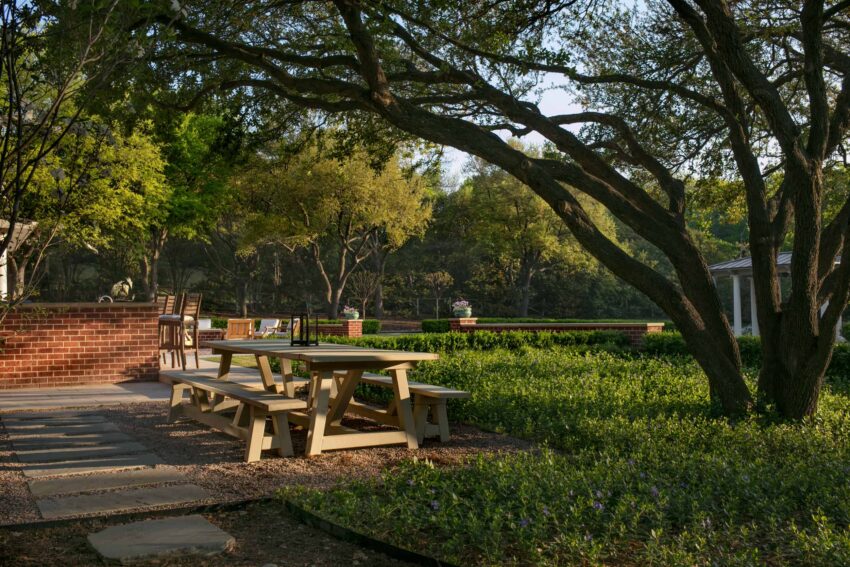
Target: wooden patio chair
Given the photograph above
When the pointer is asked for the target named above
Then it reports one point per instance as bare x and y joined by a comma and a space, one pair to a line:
190, 313
239, 329
168, 328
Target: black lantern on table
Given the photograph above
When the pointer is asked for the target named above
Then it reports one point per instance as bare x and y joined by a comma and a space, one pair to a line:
304, 330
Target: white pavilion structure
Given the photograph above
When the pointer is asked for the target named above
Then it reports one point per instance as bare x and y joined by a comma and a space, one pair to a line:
22, 231
743, 268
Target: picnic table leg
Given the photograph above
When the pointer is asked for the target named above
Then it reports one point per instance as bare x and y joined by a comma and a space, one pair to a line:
405, 414
223, 371
344, 394
319, 413
256, 432
266, 373
286, 375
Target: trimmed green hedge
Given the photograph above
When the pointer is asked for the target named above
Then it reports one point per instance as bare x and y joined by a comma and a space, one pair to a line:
442, 325
486, 340
673, 344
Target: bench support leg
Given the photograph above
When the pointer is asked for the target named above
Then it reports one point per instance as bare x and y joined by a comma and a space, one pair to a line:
176, 401
420, 417
256, 432
280, 424
286, 374
442, 418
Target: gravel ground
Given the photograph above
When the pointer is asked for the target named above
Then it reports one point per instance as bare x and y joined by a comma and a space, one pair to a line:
214, 460
265, 534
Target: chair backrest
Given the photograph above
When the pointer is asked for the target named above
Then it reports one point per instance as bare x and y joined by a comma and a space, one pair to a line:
179, 300
170, 304
191, 305
269, 326
161, 301
240, 329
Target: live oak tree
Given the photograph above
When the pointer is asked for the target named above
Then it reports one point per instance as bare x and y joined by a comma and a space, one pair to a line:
766, 86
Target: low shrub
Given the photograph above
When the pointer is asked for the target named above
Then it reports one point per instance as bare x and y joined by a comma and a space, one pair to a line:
435, 326
674, 344
486, 340
639, 472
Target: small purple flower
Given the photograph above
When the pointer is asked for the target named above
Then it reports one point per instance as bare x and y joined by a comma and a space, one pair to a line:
588, 537
631, 462
642, 474
432, 490
435, 505
654, 492
410, 482
598, 505
683, 485
599, 494
546, 511
523, 523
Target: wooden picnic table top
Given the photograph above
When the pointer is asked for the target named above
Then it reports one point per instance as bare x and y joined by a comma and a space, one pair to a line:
324, 353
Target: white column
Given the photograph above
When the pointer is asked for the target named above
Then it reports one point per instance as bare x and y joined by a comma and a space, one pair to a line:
754, 317
4, 279
736, 305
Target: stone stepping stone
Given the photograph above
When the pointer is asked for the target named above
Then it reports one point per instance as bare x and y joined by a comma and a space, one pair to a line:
158, 539
50, 421
34, 443
119, 500
86, 466
62, 430
54, 455
41, 488
48, 425
46, 414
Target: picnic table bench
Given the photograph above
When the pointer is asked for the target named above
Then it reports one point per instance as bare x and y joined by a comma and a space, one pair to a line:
427, 399
333, 374
209, 398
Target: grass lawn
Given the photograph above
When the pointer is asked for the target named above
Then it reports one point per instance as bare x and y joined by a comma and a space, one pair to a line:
634, 469
246, 360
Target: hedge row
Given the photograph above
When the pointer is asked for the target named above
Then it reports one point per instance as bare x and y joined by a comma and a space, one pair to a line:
442, 325
668, 343
486, 340
370, 326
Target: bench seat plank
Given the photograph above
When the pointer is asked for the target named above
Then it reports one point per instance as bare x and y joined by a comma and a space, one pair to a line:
427, 390
262, 399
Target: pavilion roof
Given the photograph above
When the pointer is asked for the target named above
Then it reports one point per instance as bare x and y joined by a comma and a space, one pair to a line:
745, 265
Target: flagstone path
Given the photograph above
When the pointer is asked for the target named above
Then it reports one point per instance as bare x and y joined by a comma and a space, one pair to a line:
79, 464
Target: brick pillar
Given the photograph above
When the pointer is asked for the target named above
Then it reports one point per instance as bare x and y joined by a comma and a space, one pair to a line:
352, 328
463, 324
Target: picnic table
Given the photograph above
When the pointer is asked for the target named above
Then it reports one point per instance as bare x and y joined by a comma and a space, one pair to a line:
333, 372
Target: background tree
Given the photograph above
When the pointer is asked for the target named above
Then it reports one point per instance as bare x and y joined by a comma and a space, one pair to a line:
361, 286
333, 208
439, 283
44, 66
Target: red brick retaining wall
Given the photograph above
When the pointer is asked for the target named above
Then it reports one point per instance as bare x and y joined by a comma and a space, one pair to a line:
210, 335
634, 331
345, 328
78, 343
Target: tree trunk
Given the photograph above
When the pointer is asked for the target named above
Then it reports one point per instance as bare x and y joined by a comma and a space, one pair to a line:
333, 303
381, 262
526, 274
243, 299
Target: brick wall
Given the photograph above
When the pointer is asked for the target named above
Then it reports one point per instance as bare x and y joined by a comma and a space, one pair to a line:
344, 328
210, 335
78, 343
634, 331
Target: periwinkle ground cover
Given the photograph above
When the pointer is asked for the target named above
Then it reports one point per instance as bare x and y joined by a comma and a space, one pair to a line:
633, 469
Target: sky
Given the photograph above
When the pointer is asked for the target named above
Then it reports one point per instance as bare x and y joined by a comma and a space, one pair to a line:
552, 101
